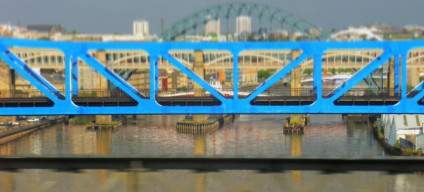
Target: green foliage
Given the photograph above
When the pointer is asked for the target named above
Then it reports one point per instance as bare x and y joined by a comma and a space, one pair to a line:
380, 132
215, 38
409, 87
44, 38
380, 136
308, 71
408, 152
82, 120
332, 70
183, 88
397, 145
344, 70
265, 74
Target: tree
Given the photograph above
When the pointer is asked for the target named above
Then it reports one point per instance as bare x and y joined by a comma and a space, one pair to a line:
265, 74
308, 71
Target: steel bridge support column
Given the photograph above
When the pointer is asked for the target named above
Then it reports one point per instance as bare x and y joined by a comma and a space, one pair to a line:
199, 69
102, 87
7, 84
74, 79
296, 76
391, 77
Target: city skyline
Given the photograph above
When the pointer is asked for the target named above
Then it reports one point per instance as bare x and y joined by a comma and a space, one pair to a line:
103, 20
243, 25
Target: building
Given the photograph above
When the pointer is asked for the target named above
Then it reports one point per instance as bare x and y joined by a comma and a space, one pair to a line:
47, 29
213, 27
141, 28
140, 80
358, 34
249, 77
243, 25
405, 129
8, 30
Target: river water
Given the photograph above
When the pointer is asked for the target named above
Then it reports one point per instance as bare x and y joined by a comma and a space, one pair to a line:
247, 136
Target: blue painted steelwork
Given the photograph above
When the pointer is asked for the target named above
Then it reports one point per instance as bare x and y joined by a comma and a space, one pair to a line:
74, 76
125, 74
323, 104
370, 82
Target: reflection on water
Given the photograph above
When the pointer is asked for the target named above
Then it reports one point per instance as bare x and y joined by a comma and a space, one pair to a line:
259, 135
35, 180
295, 151
199, 144
7, 182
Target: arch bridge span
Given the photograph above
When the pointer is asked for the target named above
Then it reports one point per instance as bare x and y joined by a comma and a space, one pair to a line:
215, 59
274, 15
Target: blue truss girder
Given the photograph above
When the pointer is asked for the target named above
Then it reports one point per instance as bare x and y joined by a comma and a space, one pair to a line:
322, 104
193, 76
359, 76
370, 82
112, 77
276, 76
74, 75
38, 81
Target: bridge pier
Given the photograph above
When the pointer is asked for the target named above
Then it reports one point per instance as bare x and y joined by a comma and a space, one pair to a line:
7, 84
391, 77
103, 118
102, 86
413, 77
295, 76
199, 70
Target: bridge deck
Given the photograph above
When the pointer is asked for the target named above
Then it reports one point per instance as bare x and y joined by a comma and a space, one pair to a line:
389, 164
199, 101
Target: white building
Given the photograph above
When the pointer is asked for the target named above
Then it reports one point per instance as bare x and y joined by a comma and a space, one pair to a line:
358, 34
213, 27
243, 24
141, 28
403, 127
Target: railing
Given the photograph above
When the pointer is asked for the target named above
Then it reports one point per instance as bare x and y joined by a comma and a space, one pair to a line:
281, 91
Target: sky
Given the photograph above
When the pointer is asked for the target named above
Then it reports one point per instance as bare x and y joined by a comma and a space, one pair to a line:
110, 16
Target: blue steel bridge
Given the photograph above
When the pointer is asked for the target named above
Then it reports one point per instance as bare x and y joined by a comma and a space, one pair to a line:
128, 100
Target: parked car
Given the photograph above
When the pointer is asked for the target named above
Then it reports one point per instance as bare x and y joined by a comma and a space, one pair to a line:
33, 120
14, 123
